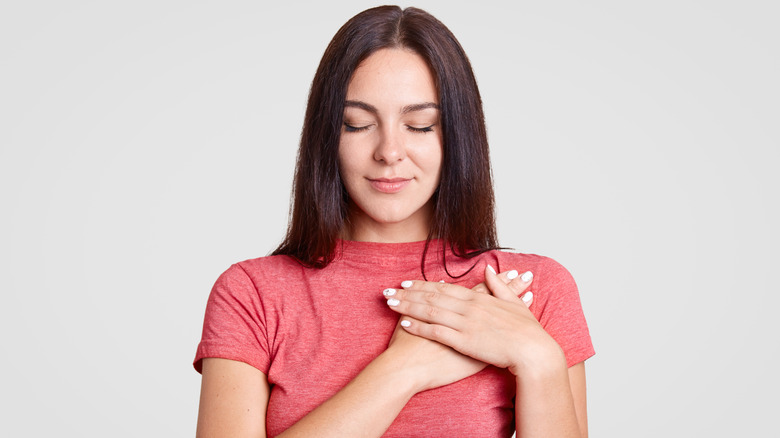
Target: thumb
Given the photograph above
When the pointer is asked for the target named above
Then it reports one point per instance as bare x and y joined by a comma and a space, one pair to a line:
497, 287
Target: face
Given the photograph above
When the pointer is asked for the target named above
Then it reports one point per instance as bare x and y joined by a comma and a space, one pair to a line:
391, 147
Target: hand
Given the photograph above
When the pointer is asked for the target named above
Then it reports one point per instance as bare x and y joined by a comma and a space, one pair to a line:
497, 329
432, 364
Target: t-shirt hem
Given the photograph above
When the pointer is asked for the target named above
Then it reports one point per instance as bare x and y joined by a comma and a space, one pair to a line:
573, 358
228, 352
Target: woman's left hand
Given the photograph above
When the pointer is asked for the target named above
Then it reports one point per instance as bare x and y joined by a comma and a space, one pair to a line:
496, 328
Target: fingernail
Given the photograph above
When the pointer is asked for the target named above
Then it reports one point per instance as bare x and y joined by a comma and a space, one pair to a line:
388, 292
511, 274
527, 276
406, 284
441, 281
405, 323
527, 297
490, 268
393, 302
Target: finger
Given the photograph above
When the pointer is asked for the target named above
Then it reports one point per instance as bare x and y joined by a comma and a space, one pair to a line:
497, 287
429, 297
426, 312
453, 290
506, 277
528, 298
520, 283
438, 333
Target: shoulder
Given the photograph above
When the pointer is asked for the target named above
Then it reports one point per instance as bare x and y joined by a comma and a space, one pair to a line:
264, 267
246, 276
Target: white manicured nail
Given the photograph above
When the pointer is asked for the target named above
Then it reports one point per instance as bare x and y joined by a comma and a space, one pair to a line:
527, 276
406, 284
511, 274
393, 302
389, 292
405, 323
490, 268
527, 297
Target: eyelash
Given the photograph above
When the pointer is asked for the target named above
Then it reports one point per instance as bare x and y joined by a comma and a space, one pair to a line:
421, 130
350, 128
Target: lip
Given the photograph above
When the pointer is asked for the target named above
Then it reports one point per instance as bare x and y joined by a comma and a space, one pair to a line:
389, 185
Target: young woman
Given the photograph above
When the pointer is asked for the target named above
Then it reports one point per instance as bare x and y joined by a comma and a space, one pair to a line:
382, 313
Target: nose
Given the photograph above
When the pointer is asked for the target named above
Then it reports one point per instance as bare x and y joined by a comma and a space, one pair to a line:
391, 147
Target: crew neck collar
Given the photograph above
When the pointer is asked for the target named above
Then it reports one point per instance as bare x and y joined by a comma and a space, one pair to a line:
400, 256
399, 249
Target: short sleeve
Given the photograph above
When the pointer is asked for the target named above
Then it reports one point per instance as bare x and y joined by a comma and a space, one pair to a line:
560, 311
234, 325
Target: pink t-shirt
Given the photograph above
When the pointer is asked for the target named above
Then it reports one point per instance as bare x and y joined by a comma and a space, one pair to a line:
311, 331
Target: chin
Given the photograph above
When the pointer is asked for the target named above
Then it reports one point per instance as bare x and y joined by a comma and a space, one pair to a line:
389, 218
392, 213
396, 216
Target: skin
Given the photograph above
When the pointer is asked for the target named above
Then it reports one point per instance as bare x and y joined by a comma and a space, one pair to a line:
452, 331
391, 131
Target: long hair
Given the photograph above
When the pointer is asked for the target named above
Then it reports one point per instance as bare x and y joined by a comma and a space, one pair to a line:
463, 203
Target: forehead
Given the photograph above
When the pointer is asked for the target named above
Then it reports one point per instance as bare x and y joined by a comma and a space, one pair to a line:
393, 78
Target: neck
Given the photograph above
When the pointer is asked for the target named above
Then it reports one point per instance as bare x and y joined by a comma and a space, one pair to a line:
362, 228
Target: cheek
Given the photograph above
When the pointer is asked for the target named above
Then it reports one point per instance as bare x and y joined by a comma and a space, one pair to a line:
346, 158
348, 168
437, 152
431, 160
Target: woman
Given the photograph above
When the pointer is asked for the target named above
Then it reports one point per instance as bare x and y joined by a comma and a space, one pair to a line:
393, 215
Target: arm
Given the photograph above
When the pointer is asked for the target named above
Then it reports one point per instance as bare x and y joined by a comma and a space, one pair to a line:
233, 399
234, 395
578, 392
545, 403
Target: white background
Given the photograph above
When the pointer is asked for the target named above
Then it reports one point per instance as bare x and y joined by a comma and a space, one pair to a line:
146, 146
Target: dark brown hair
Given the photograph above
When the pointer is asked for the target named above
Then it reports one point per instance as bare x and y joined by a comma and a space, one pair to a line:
463, 204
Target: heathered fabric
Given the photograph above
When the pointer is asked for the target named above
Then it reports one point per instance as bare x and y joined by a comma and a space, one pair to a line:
311, 331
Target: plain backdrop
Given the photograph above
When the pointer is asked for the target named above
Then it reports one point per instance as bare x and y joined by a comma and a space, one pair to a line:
147, 145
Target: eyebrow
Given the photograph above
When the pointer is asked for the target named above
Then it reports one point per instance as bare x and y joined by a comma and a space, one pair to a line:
405, 110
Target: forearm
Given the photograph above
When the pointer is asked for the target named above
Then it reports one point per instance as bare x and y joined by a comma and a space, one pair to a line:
544, 404
364, 408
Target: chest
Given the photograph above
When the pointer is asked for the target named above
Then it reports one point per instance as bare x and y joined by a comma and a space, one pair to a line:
324, 333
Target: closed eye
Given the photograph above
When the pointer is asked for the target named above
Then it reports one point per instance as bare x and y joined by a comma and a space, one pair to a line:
421, 130
350, 128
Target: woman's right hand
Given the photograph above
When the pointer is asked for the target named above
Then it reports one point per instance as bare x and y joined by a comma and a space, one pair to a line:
430, 364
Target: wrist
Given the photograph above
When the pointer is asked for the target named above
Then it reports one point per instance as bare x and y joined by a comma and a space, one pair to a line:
544, 360
394, 371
